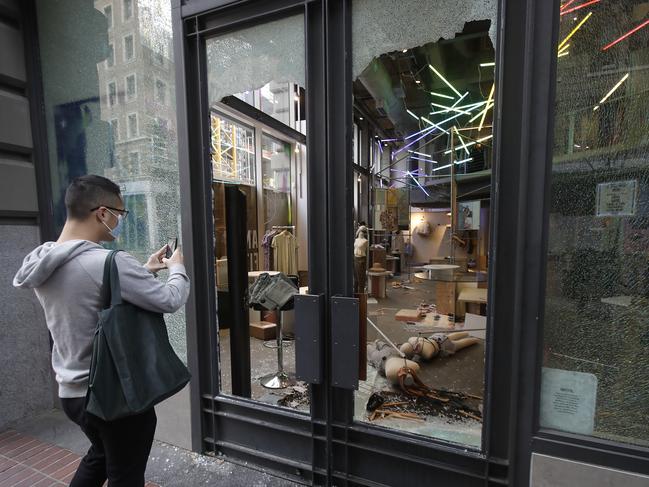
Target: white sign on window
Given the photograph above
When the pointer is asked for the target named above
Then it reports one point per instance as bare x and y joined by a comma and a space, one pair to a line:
568, 400
616, 198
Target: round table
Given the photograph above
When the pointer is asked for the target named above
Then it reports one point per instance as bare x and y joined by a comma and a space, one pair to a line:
440, 267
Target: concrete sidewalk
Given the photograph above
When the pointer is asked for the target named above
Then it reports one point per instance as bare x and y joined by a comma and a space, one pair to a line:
168, 466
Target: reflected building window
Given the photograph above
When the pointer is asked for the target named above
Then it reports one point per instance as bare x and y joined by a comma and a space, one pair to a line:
114, 129
131, 87
108, 12
132, 125
160, 92
112, 94
127, 9
110, 60
133, 168
129, 48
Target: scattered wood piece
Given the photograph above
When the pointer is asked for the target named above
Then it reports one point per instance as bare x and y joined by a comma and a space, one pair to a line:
469, 415
401, 403
386, 413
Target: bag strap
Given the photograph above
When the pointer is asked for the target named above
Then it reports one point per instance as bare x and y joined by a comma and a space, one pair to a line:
111, 289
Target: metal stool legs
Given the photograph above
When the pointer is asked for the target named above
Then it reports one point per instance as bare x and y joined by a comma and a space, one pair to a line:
279, 379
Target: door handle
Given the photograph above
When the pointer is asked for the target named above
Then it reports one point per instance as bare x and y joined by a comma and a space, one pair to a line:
309, 335
345, 342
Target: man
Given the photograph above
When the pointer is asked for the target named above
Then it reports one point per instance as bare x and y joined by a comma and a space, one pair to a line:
67, 278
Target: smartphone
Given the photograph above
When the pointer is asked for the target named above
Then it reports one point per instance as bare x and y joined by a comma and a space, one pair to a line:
172, 245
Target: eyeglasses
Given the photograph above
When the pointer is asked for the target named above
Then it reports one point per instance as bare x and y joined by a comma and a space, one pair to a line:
123, 212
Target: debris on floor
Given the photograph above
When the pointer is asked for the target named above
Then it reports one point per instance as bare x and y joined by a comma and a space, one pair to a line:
449, 404
296, 397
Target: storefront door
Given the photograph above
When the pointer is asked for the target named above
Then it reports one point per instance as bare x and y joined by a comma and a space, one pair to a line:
376, 374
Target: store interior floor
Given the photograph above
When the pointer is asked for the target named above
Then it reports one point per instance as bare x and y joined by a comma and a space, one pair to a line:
462, 372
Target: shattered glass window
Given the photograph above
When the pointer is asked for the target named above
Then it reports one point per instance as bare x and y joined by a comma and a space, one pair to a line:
85, 113
423, 91
596, 332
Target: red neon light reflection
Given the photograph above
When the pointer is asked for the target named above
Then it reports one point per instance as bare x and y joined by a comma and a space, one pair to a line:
565, 5
564, 12
635, 29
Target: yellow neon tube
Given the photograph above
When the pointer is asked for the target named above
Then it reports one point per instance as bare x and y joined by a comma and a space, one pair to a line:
484, 113
572, 32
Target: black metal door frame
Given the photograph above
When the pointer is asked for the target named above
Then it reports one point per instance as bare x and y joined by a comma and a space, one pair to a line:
285, 441
328, 448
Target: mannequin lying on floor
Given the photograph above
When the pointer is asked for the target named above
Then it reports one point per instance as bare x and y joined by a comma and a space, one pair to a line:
394, 365
437, 344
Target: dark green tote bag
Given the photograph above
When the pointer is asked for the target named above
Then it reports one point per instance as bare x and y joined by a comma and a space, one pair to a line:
133, 365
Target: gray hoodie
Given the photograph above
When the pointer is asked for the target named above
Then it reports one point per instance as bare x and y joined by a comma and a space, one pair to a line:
67, 279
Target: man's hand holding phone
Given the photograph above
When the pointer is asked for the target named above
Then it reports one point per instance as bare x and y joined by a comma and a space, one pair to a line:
155, 262
167, 256
175, 259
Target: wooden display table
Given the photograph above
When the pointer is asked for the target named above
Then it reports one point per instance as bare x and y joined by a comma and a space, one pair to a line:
475, 299
473, 295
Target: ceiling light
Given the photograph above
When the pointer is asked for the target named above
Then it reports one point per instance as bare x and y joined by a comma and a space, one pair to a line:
617, 85
417, 81
420, 186
635, 29
591, 2
442, 167
485, 65
572, 32
461, 140
405, 50
360, 118
441, 95
566, 5
484, 113
412, 114
434, 125
464, 160
444, 80
418, 153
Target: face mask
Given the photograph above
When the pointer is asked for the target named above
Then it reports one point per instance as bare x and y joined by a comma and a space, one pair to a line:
118, 228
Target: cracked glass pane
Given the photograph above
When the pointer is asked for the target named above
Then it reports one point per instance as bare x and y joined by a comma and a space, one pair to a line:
106, 119
423, 91
255, 80
596, 332
249, 59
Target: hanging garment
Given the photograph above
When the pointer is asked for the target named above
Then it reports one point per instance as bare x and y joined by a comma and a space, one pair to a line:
266, 245
285, 253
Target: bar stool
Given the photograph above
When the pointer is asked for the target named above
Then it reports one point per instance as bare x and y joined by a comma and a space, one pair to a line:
279, 379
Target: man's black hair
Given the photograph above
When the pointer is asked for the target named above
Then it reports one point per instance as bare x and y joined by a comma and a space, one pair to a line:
87, 192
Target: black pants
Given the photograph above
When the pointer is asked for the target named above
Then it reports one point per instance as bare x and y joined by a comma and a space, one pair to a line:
119, 451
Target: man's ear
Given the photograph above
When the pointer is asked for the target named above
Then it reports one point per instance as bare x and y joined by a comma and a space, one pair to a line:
100, 214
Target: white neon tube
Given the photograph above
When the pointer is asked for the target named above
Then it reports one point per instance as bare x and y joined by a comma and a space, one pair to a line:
439, 75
